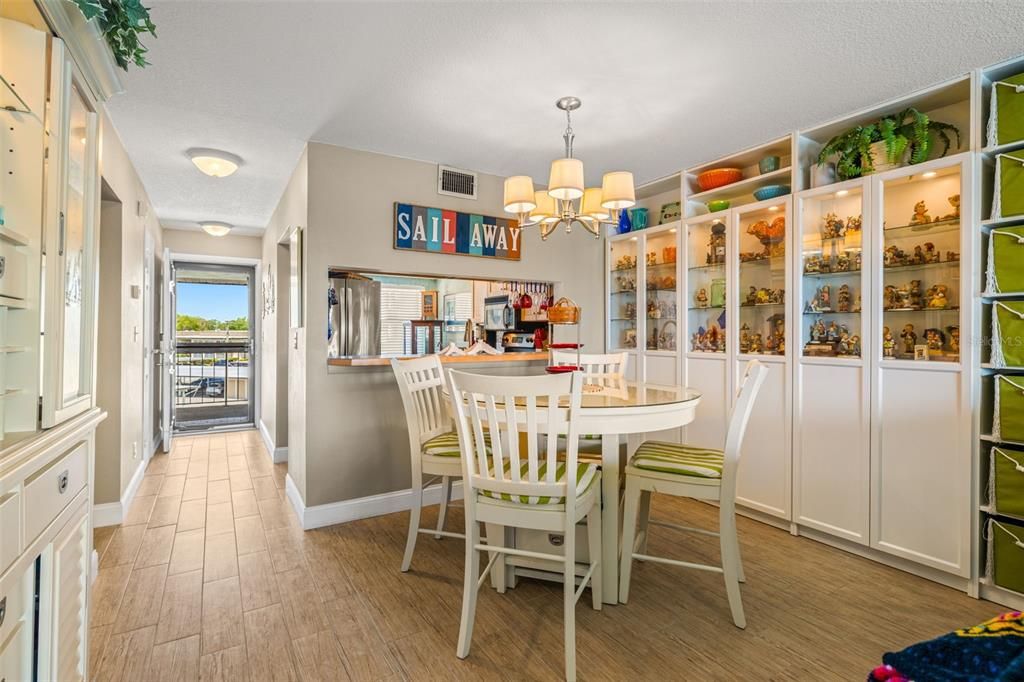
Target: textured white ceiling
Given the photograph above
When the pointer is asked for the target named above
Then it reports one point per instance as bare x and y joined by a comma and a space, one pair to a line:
664, 86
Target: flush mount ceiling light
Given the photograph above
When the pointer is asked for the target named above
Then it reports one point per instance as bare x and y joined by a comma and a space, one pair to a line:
216, 229
214, 162
567, 200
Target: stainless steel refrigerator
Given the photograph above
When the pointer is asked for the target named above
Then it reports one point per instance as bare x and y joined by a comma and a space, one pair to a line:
353, 317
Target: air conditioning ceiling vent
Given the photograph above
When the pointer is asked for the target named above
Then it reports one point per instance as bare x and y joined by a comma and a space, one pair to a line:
454, 182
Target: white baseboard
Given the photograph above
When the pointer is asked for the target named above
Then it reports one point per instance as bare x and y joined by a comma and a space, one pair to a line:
111, 513
108, 514
277, 455
154, 445
360, 508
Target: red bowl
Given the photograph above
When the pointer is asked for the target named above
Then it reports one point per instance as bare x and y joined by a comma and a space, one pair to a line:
560, 369
718, 177
558, 346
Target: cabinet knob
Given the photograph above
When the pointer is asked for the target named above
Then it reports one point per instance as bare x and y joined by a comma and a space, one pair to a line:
62, 482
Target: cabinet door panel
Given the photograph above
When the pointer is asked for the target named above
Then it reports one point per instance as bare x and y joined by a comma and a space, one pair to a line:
832, 446
63, 648
920, 495
765, 465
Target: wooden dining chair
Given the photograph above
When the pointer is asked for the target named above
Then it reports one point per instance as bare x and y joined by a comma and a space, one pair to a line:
506, 487
601, 369
699, 473
433, 442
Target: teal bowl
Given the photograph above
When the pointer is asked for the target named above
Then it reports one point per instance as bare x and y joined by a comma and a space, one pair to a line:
771, 192
768, 164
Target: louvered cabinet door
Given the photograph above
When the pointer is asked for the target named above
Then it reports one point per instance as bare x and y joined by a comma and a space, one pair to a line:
69, 616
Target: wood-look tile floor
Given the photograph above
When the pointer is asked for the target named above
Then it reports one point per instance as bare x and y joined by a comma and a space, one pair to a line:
210, 578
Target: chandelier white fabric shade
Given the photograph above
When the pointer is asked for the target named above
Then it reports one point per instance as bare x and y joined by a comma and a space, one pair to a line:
617, 190
545, 211
566, 179
592, 207
519, 196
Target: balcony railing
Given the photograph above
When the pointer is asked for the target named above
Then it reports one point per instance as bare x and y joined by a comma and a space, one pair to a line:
212, 377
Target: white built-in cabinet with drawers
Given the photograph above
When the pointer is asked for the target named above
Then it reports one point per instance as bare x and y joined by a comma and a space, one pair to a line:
55, 70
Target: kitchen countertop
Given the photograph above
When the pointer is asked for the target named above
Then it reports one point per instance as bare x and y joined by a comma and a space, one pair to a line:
383, 361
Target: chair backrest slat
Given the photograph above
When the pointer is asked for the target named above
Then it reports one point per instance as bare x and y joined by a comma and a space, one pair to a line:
753, 376
535, 406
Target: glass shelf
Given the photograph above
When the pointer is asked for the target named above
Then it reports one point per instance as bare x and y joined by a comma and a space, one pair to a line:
711, 266
10, 100
922, 266
841, 273
708, 307
917, 229
661, 266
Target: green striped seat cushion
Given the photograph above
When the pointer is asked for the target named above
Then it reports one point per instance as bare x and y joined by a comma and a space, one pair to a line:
446, 445
684, 460
585, 474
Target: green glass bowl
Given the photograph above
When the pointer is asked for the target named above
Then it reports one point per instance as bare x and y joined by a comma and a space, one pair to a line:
718, 205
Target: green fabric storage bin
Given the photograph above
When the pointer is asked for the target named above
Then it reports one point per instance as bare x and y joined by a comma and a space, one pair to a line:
1008, 191
1006, 113
1008, 415
1006, 554
1007, 334
1006, 481
1004, 271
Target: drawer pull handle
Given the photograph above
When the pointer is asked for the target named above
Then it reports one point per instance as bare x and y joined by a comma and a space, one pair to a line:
62, 482
3, 612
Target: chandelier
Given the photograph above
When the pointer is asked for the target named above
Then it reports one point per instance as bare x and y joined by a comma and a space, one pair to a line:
567, 200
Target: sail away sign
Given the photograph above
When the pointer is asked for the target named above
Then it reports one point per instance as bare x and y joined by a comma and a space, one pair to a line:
418, 228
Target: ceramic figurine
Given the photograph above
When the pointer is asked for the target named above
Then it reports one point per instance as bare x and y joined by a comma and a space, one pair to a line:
930, 254
752, 296
909, 339
952, 256
717, 243
918, 257
916, 297
937, 297
856, 305
832, 334
855, 345
842, 263
778, 296
954, 338
844, 344
954, 201
652, 258
825, 298
763, 296
756, 344
812, 264
856, 261
888, 343
935, 339
630, 338
843, 299
920, 214
652, 310
817, 332
853, 224
834, 227
631, 311
745, 338
890, 297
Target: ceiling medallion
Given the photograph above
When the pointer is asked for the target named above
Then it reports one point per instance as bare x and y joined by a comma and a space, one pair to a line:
566, 200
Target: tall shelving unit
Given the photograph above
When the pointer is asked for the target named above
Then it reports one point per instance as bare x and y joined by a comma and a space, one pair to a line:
986, 373
885, 441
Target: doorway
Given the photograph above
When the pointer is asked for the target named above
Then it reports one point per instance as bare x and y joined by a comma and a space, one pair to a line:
213, 311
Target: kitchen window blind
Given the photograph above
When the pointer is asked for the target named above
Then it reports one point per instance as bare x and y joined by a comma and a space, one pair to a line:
399, 303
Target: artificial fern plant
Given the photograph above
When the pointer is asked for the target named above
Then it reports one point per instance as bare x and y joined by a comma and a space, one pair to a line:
908, 129
122, 22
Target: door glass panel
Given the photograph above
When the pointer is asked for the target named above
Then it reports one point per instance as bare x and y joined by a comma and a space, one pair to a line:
762, 292
706, 282
622, 303
75, 242
832, 261
921, 267
662, 321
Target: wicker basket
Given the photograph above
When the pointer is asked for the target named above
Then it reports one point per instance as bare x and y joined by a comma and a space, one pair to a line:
564, 311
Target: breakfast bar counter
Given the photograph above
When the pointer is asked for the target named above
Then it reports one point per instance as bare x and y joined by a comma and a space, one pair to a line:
384, 361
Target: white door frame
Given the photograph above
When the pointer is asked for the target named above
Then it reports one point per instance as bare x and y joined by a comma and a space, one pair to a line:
148, 266
257, 265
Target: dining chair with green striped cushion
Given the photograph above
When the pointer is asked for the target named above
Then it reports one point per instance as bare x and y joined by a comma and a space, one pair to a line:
524, 480
602, 369
433, 444
695, 472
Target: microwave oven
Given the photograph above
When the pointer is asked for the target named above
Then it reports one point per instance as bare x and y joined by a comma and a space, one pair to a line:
498, 313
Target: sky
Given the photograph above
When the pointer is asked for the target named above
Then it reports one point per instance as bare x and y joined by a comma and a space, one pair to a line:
213, 301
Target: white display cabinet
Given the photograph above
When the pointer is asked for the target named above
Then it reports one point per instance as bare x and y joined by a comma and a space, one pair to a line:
921, 391
831, 439
760, 330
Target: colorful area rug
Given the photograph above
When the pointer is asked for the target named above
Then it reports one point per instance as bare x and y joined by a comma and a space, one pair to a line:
990, 652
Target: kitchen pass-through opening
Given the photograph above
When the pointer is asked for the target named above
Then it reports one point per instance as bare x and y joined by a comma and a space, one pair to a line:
213, 346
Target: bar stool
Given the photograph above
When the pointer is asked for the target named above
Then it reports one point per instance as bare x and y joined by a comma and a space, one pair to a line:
698, 473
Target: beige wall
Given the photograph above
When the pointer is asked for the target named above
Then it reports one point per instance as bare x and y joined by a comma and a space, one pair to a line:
108, 362
351, 197
199, 243
276, 352
127, 400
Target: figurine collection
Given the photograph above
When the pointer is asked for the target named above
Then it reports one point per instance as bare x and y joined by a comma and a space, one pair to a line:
710, 340
772, 236
910, 297
831, 340
937, 343
764, 296
822, 302
837, 228
921, 254
771, 342
921, 216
